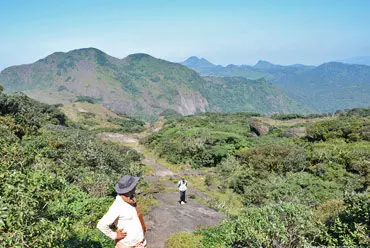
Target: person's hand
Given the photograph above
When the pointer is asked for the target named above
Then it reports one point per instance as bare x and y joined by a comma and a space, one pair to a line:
120, 234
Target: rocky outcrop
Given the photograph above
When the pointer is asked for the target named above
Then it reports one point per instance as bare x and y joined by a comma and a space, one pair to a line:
191, 103
259, 128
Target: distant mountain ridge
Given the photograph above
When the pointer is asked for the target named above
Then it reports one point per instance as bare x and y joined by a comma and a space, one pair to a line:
139, 85
324, 88
362, 60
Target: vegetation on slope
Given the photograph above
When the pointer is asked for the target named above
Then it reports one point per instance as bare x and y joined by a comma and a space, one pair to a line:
238, 94
324, 88
139, 85
296, 191
56, 180
97, 118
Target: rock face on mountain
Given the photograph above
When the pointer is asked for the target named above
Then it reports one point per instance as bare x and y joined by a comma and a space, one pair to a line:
139, 85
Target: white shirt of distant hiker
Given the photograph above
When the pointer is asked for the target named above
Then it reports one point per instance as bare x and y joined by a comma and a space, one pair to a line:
125, 217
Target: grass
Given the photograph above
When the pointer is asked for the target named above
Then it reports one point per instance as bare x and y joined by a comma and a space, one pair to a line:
146, 203
184, 240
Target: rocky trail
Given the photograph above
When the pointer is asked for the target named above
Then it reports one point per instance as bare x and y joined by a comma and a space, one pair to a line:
169, 216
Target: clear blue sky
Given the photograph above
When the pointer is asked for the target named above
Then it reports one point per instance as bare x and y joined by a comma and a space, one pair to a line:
224, 32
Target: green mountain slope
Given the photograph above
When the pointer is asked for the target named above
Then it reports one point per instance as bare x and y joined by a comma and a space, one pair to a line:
238, 94
138, 85
325, 88
329, 87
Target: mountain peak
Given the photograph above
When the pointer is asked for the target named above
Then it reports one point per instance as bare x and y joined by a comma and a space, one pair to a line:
139, 56
194, 61
263, 64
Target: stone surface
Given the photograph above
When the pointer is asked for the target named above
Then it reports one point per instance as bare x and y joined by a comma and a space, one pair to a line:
172, 217
259, 129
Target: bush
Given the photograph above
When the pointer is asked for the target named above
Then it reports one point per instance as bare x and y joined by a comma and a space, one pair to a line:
286, 116
128, 124
56, 181
29, 112
274, 158
352, 226
88, 99
282, 225
348, 128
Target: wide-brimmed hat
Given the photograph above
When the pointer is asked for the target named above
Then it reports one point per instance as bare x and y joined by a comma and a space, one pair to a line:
125, 184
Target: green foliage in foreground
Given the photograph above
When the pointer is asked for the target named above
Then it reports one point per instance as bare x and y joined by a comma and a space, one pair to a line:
293, 225
56, 181
350, 227
293, 189
281, 225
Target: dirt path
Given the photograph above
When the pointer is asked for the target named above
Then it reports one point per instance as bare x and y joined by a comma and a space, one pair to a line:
169, 216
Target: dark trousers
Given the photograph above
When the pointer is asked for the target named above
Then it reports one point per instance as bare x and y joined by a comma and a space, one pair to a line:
182, 196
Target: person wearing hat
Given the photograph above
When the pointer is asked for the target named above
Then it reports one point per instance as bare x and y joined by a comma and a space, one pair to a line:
125, 215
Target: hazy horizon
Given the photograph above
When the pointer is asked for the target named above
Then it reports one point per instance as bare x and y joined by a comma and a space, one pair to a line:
233, 32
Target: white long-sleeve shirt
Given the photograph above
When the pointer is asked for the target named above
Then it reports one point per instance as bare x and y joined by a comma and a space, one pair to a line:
125, 217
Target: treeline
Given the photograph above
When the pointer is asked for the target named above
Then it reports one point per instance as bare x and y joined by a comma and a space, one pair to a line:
312, 190
56, 178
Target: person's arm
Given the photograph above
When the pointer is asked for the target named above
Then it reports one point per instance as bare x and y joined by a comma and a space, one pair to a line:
107, 220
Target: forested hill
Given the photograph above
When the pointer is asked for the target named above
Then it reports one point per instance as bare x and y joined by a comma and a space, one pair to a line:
139, 85
325, 88
239, 94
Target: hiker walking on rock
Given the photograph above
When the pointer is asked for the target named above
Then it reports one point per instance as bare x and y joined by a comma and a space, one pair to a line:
183, 186
125, 215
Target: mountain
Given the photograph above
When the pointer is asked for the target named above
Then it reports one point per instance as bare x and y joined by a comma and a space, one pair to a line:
265, 65
195, 62
239, 94
139, 85
363, 60
329, 87
325, 88
261, 69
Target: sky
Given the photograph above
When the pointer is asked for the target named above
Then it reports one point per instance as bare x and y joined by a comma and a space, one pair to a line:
224, 32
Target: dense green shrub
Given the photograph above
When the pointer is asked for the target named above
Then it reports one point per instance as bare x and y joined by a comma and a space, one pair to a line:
348, 128
274, 158
128, 124
281, 225
29, 112
88, 99
286, 116
352, 226
356, 112
343, 162
56, 181
203, 140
